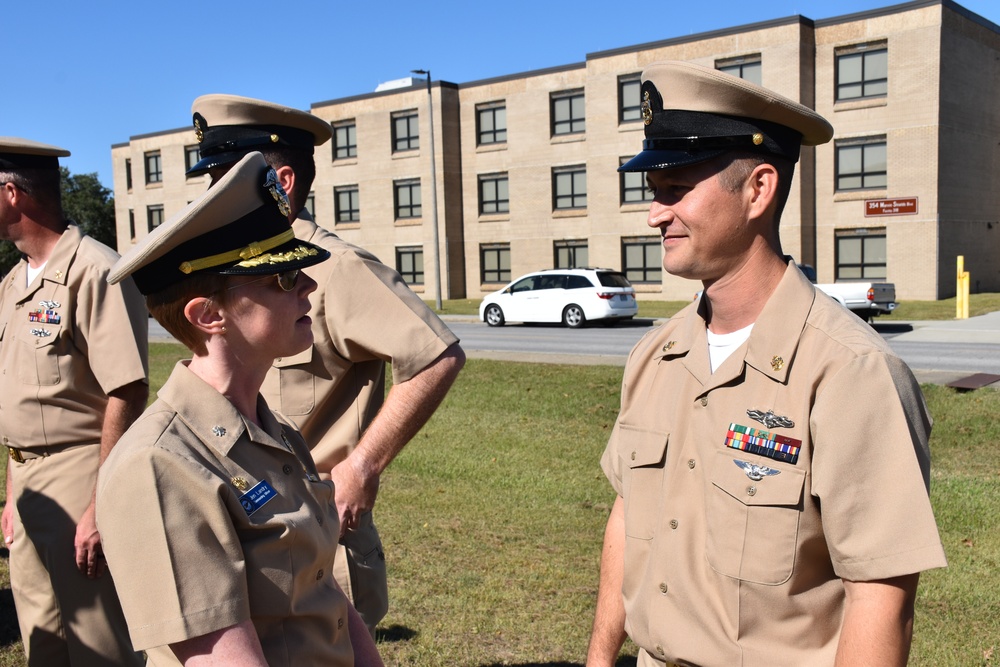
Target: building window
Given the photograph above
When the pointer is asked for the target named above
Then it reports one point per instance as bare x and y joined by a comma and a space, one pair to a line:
493, 194
494, 263
642, 260
154, 168
345, 140
410, 264
862, 71
634, 189
128, 173
491, 124
569, 187
861, 165
744, 67
154, 217
131, 225
861, 255
570, 254
405, 133
567, 113
311, 204
407, 198
347, 204
629, 101
192, 155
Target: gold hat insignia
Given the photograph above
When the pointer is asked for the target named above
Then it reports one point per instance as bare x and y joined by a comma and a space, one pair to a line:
647, 110
758, 139
280, 196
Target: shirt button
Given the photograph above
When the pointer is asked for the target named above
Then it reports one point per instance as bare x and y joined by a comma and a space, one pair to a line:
659, 649
340, 623
320, 519
633, 456
751, 490
673, 524
287, 469
691, 463
319, 575
663, 588
704, 401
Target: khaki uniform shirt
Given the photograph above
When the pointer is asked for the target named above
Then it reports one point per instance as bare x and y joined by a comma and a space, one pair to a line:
208, 521
65, 342
726, 564
364, 316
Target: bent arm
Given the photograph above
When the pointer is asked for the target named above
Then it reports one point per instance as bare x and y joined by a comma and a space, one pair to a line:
407, 408
608, 633
238, 646
878, 622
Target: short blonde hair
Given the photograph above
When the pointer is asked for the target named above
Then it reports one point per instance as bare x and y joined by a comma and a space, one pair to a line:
167, 306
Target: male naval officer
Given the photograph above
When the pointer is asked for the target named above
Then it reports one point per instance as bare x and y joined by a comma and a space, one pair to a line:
73, 367
766, 514
364, 316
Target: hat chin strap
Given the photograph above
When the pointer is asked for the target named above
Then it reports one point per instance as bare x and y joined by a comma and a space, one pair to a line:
254, 249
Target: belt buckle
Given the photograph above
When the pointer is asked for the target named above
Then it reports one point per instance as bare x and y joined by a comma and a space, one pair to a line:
15, 455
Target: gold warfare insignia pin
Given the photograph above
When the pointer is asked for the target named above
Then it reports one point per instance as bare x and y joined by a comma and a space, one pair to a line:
272, 185
758, 139
240, 483
647, 110
777, 363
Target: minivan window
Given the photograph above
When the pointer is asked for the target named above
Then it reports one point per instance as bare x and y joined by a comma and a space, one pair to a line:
578, 282
613, 279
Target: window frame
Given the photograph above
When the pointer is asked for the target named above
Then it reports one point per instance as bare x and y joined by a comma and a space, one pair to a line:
412, 137
572, 247
502, 275
624, 188
863, 268
629, 80
350, 150
863, 175
742, 62
491, 108
572, 171
353, 193
650, 275
500, 205
128, 174
407, 184
864, 51
150, 210
153, 176
416, 277
573, 125
194, 149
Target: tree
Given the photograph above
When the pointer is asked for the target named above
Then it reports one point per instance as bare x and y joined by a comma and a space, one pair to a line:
86, 202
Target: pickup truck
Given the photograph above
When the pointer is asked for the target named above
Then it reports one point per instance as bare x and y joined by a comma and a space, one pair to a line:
867, 300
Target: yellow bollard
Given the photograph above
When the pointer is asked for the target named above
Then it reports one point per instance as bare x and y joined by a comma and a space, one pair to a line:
965, 295
960, 269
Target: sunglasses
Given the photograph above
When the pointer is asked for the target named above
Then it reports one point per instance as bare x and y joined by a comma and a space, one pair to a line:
286, 280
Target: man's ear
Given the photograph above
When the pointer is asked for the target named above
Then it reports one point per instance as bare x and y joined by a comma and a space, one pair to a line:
763, 187
204, 314
286, 177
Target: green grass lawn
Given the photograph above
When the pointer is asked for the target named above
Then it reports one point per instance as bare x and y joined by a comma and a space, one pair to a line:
493, 516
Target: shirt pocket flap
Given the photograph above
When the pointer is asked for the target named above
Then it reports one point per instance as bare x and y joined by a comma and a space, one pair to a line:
303, 357
648, 448
753, 482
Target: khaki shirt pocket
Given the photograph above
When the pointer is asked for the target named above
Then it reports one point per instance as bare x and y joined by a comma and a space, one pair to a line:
297, 383
643, 455
753, 524
38, 356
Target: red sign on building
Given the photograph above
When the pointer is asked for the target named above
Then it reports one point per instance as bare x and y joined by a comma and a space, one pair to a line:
901, 206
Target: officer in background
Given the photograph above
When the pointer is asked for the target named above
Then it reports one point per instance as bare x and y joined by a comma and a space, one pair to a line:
364, 316
73, 365
767, 514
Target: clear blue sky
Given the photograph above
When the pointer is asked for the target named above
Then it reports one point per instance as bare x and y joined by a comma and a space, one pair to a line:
86, 75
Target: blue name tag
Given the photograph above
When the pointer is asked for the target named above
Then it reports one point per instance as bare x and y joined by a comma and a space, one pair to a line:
257, 497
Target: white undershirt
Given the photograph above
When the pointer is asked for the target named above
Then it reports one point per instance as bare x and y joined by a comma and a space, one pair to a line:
33, 273
720, 346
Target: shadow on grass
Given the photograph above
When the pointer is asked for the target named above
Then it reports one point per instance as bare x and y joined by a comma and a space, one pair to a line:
10, 633
394, 633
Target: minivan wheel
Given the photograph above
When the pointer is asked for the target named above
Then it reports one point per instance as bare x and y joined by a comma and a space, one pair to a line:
494, 316
573, 316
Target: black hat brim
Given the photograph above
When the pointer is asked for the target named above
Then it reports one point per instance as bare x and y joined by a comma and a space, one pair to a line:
653, 160
205, 164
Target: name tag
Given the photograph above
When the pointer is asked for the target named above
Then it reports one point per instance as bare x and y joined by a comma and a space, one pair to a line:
261, 494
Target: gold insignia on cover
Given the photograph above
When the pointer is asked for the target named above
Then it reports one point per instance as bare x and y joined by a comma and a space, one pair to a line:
777, 363
198, 134
758, 139
240, 483
279, 258
272, 185
274, 138
647, 110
